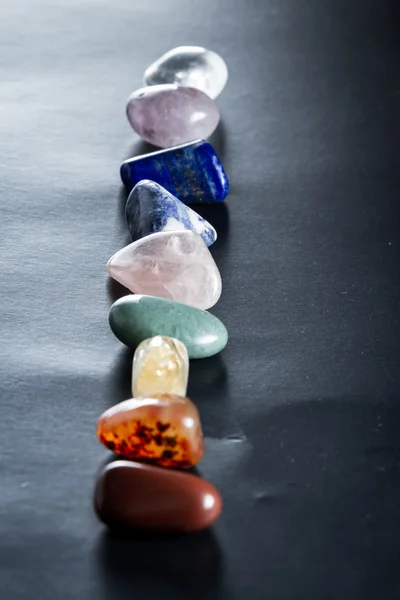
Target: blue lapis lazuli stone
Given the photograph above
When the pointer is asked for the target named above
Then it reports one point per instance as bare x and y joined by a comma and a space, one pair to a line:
192, 172
151, 209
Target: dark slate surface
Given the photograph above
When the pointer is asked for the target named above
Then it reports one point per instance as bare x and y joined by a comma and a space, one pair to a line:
301, 411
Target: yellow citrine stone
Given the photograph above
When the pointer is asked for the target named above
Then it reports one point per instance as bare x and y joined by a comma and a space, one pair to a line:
160, 366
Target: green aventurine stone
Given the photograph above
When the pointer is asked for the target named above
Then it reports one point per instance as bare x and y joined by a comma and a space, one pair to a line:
135, 318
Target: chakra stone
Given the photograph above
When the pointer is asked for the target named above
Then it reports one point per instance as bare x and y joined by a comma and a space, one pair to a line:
191, 66
167, 115
172, 264
139, 496
136, 318
151, 208
164, 430
191, 172
160, 366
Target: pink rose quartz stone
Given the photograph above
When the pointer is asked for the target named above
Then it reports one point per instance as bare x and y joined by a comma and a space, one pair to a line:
168, 115
176, 265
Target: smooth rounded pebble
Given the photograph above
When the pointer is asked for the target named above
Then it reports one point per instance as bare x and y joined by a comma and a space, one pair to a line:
150, 208
168, 115
130, 495
160, 366
192, 172
164, 430
135, 318
191, 66
170, 264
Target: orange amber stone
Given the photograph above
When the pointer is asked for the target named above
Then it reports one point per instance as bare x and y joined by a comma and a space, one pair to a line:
164, 430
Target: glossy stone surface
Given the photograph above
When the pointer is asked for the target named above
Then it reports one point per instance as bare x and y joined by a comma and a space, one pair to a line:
165, 430
167, 115
136, 318
139, 496
151, 209
160, 366
191, 66
191, 172
176, 265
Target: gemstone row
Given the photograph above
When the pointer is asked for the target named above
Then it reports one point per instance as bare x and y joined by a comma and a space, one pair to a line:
174, 280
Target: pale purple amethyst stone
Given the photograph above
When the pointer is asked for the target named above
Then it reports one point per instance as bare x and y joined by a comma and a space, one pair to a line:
169, 115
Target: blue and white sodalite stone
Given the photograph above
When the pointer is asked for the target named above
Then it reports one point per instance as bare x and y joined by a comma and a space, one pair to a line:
151, 208
192, 172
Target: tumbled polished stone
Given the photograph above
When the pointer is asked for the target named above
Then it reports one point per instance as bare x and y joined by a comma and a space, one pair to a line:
139, 496
151, 208
173, 264
167, 115
136, 318
191, 172
191, 66
160, 366
164, 430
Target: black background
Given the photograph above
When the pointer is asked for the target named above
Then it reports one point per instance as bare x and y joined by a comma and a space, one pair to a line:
301, 411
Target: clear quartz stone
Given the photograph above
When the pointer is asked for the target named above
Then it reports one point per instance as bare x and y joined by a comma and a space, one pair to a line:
190, 66
160, 366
